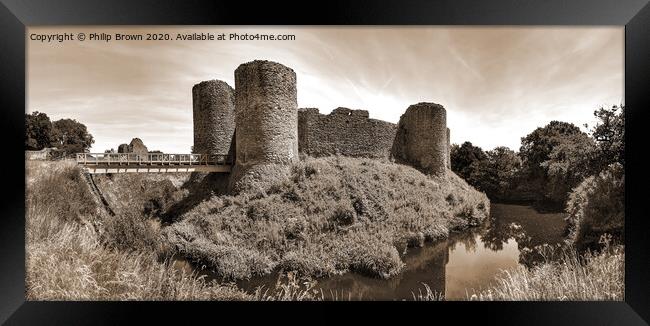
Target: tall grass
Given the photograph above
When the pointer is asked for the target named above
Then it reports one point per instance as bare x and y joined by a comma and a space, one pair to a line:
74, 265
593, 276
71, 254
334, 215
427, 294
289, 287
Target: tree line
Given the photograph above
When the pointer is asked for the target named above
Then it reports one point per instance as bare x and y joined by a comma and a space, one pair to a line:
558, 167
551, 161
67, 135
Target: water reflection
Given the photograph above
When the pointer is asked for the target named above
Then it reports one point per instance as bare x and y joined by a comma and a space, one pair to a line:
464, 262
526, 226
454, 267
474, 265
423, 265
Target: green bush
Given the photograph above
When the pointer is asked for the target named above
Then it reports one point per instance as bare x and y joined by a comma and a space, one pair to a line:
597, 206
130, 231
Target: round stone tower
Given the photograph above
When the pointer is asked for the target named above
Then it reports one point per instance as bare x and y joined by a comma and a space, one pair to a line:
266, 117
214, 117
421, 139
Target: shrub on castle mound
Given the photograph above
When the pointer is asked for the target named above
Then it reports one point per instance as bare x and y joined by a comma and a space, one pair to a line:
330, 216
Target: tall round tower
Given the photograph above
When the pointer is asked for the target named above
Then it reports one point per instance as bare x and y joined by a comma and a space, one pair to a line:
266, 117
421, 139
214, 117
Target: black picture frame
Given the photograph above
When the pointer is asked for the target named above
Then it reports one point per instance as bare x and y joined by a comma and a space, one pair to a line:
15, 15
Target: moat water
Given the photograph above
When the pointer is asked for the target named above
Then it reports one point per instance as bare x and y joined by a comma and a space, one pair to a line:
456, 267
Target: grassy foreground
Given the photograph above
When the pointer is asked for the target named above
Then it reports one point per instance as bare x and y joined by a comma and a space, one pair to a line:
333, 215
77, 251
71, 254
591, 277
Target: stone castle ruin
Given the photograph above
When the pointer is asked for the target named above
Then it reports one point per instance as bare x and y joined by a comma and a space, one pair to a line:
136, 146
259, 126
266, 123
421, 139
214, 117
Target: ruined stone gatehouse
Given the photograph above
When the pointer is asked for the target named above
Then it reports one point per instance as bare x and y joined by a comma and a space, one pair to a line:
136, 146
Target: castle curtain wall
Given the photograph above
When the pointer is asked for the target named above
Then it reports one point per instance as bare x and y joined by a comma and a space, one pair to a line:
345, 132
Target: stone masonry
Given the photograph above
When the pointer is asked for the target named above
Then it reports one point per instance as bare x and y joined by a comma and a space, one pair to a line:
345, 132
421, 139
266, 107
448, 149
136, 146
214, 117
259, 124
123, 148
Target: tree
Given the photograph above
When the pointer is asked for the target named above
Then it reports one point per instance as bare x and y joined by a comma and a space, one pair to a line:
71, 136
38, 131
468, 161
555, 158
609, 134
495, 172
503, 167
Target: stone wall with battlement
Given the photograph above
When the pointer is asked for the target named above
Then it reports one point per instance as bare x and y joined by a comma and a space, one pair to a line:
260, 122
345, 132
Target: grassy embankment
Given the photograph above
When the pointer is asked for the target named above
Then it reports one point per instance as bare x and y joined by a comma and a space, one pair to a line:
333, 215
77, 251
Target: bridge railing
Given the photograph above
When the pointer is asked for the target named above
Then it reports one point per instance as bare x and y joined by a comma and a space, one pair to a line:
152, 159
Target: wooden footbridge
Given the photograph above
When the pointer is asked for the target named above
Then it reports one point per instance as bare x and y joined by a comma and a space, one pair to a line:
153, 162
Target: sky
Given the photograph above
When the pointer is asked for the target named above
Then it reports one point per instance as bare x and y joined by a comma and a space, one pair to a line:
497, 83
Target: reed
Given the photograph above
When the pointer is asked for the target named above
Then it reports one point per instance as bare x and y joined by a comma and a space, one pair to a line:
592, 276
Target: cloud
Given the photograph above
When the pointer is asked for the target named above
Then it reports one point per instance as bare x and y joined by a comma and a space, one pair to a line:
497, 83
